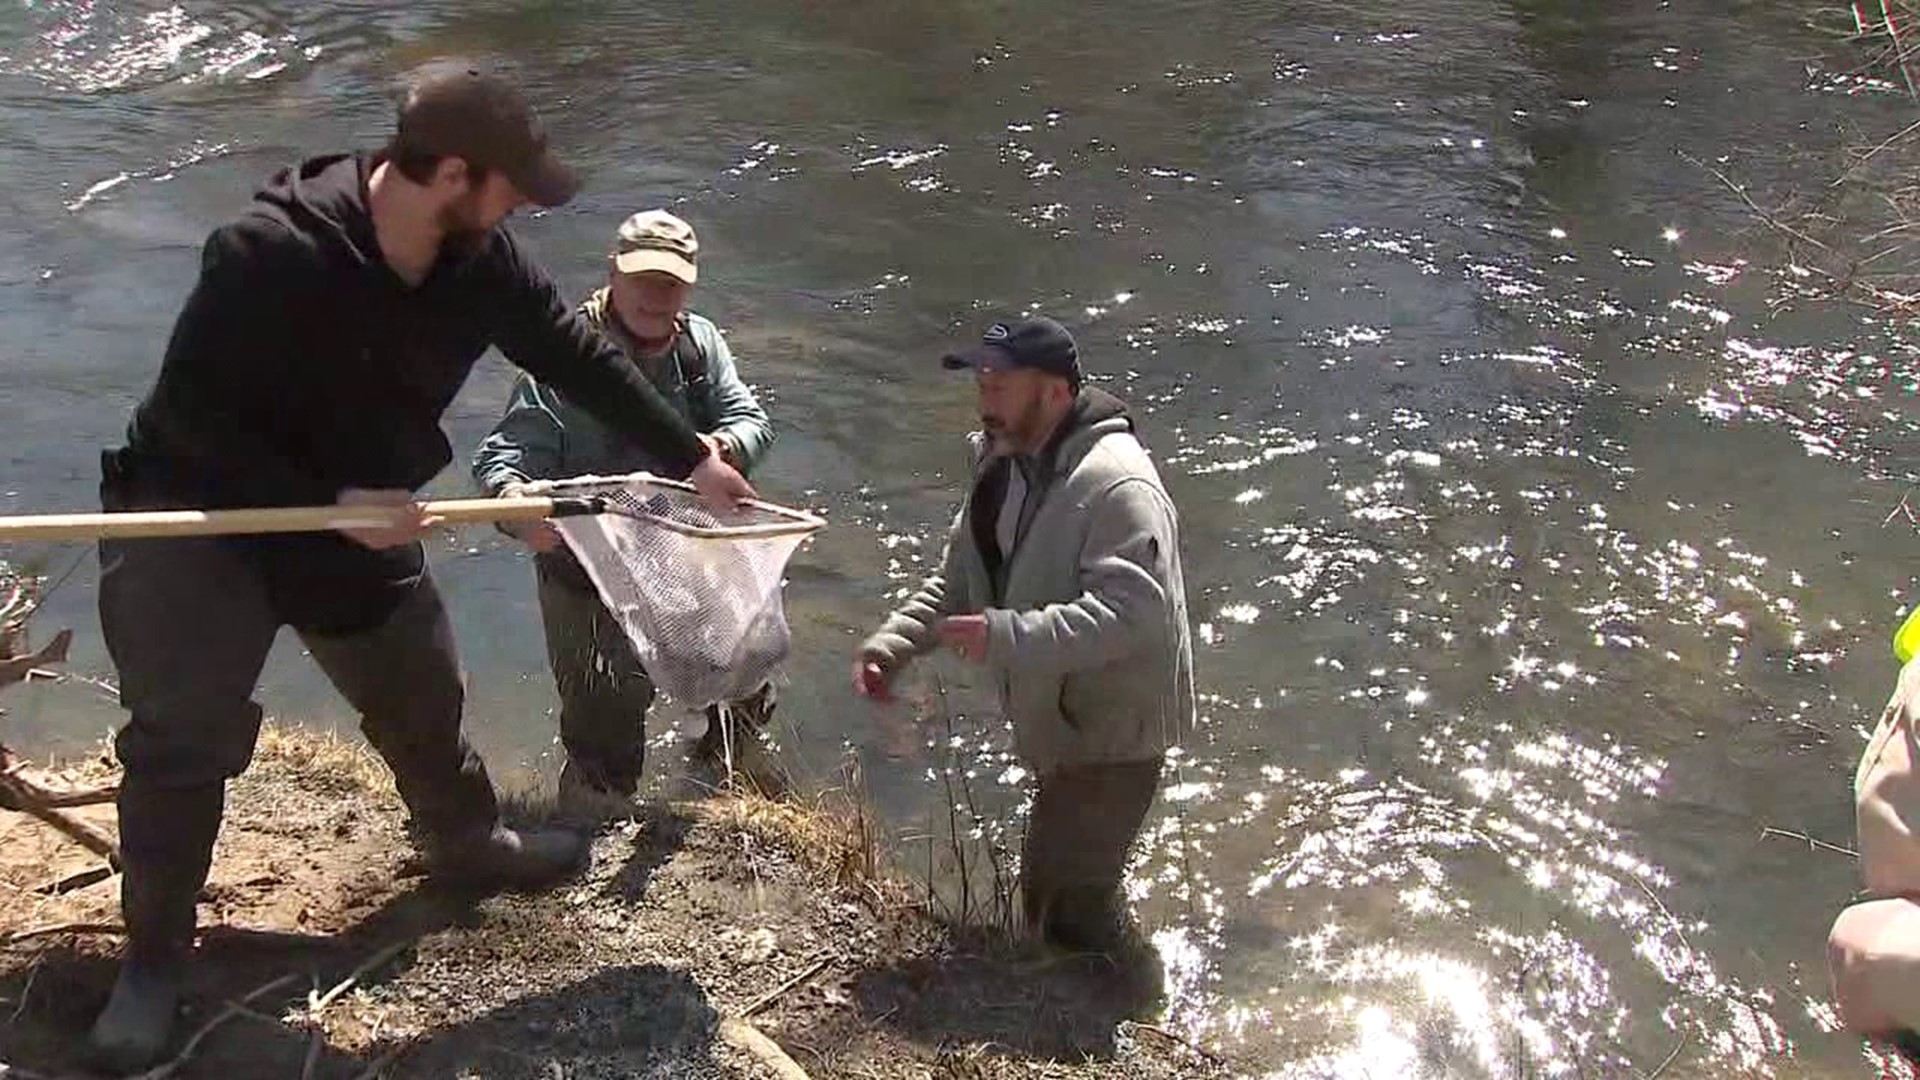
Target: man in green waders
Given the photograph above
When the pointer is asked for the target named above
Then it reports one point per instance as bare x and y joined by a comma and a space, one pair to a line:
546, 435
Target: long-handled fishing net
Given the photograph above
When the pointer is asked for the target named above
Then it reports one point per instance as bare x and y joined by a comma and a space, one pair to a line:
696, 591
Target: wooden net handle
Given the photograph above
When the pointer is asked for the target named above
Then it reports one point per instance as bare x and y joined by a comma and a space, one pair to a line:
276, 519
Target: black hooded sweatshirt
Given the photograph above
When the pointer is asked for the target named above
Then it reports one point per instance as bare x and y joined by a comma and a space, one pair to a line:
301, 364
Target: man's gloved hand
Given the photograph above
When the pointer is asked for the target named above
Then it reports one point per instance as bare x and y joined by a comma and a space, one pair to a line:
539, 536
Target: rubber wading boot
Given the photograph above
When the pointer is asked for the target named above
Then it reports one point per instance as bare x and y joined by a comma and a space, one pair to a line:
167, 839
506, 858
132, 1031
589, 780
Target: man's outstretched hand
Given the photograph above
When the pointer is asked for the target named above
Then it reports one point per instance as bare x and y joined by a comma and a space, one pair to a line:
870, 680
394, 517
720, 485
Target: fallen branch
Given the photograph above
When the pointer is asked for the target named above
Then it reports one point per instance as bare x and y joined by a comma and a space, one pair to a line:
774, 994
318, 1005
79, 879
163, 1071
64, 800
744, 1036
15, 669
17, 793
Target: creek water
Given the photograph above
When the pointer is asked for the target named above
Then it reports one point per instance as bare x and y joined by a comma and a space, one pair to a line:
1535, 517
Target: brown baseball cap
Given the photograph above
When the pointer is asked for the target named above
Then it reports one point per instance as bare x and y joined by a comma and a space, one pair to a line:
455, 109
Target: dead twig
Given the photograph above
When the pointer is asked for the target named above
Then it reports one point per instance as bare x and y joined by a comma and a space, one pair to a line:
744, 1036
1811, 843
319, 1004
26, 992
1178, 1040
66, 928
1766, 217
1672, 1056
1899, 47
167, 1069
1904, 509
948, 766
997, 856
774, 994
1876, 151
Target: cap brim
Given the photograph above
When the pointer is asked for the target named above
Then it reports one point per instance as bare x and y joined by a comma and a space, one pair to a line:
550, 182
977, 358
648, 259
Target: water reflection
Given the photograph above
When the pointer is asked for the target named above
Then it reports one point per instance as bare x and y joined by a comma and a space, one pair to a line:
1368, 928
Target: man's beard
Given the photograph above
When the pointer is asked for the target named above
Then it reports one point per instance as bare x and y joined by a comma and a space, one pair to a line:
1013, 435
460, 233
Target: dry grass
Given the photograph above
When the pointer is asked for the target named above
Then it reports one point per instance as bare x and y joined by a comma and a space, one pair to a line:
834, 833
349, 763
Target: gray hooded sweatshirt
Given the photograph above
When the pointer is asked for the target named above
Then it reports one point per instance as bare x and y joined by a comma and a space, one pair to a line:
1086, 611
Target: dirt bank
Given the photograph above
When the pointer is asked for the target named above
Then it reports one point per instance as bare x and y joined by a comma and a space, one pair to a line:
701, 927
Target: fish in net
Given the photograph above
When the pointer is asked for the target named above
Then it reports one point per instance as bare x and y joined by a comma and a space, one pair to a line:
696, 591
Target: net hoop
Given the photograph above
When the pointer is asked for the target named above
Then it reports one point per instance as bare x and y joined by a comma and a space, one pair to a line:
793, 522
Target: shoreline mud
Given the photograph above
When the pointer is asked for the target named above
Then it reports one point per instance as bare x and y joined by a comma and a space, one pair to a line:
727, 936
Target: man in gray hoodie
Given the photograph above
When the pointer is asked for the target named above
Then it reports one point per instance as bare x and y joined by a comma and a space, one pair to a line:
1062, 577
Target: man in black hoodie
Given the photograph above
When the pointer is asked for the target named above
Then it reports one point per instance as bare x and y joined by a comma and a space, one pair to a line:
331, 324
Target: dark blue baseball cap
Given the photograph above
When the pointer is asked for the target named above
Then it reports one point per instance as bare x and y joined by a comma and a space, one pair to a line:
1039, 344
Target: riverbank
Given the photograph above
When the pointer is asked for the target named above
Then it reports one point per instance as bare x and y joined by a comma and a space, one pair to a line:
732, 936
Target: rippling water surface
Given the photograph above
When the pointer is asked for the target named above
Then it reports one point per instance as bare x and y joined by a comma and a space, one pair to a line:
1535, 506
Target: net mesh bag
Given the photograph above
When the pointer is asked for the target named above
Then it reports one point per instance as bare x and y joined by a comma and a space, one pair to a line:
697, 592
